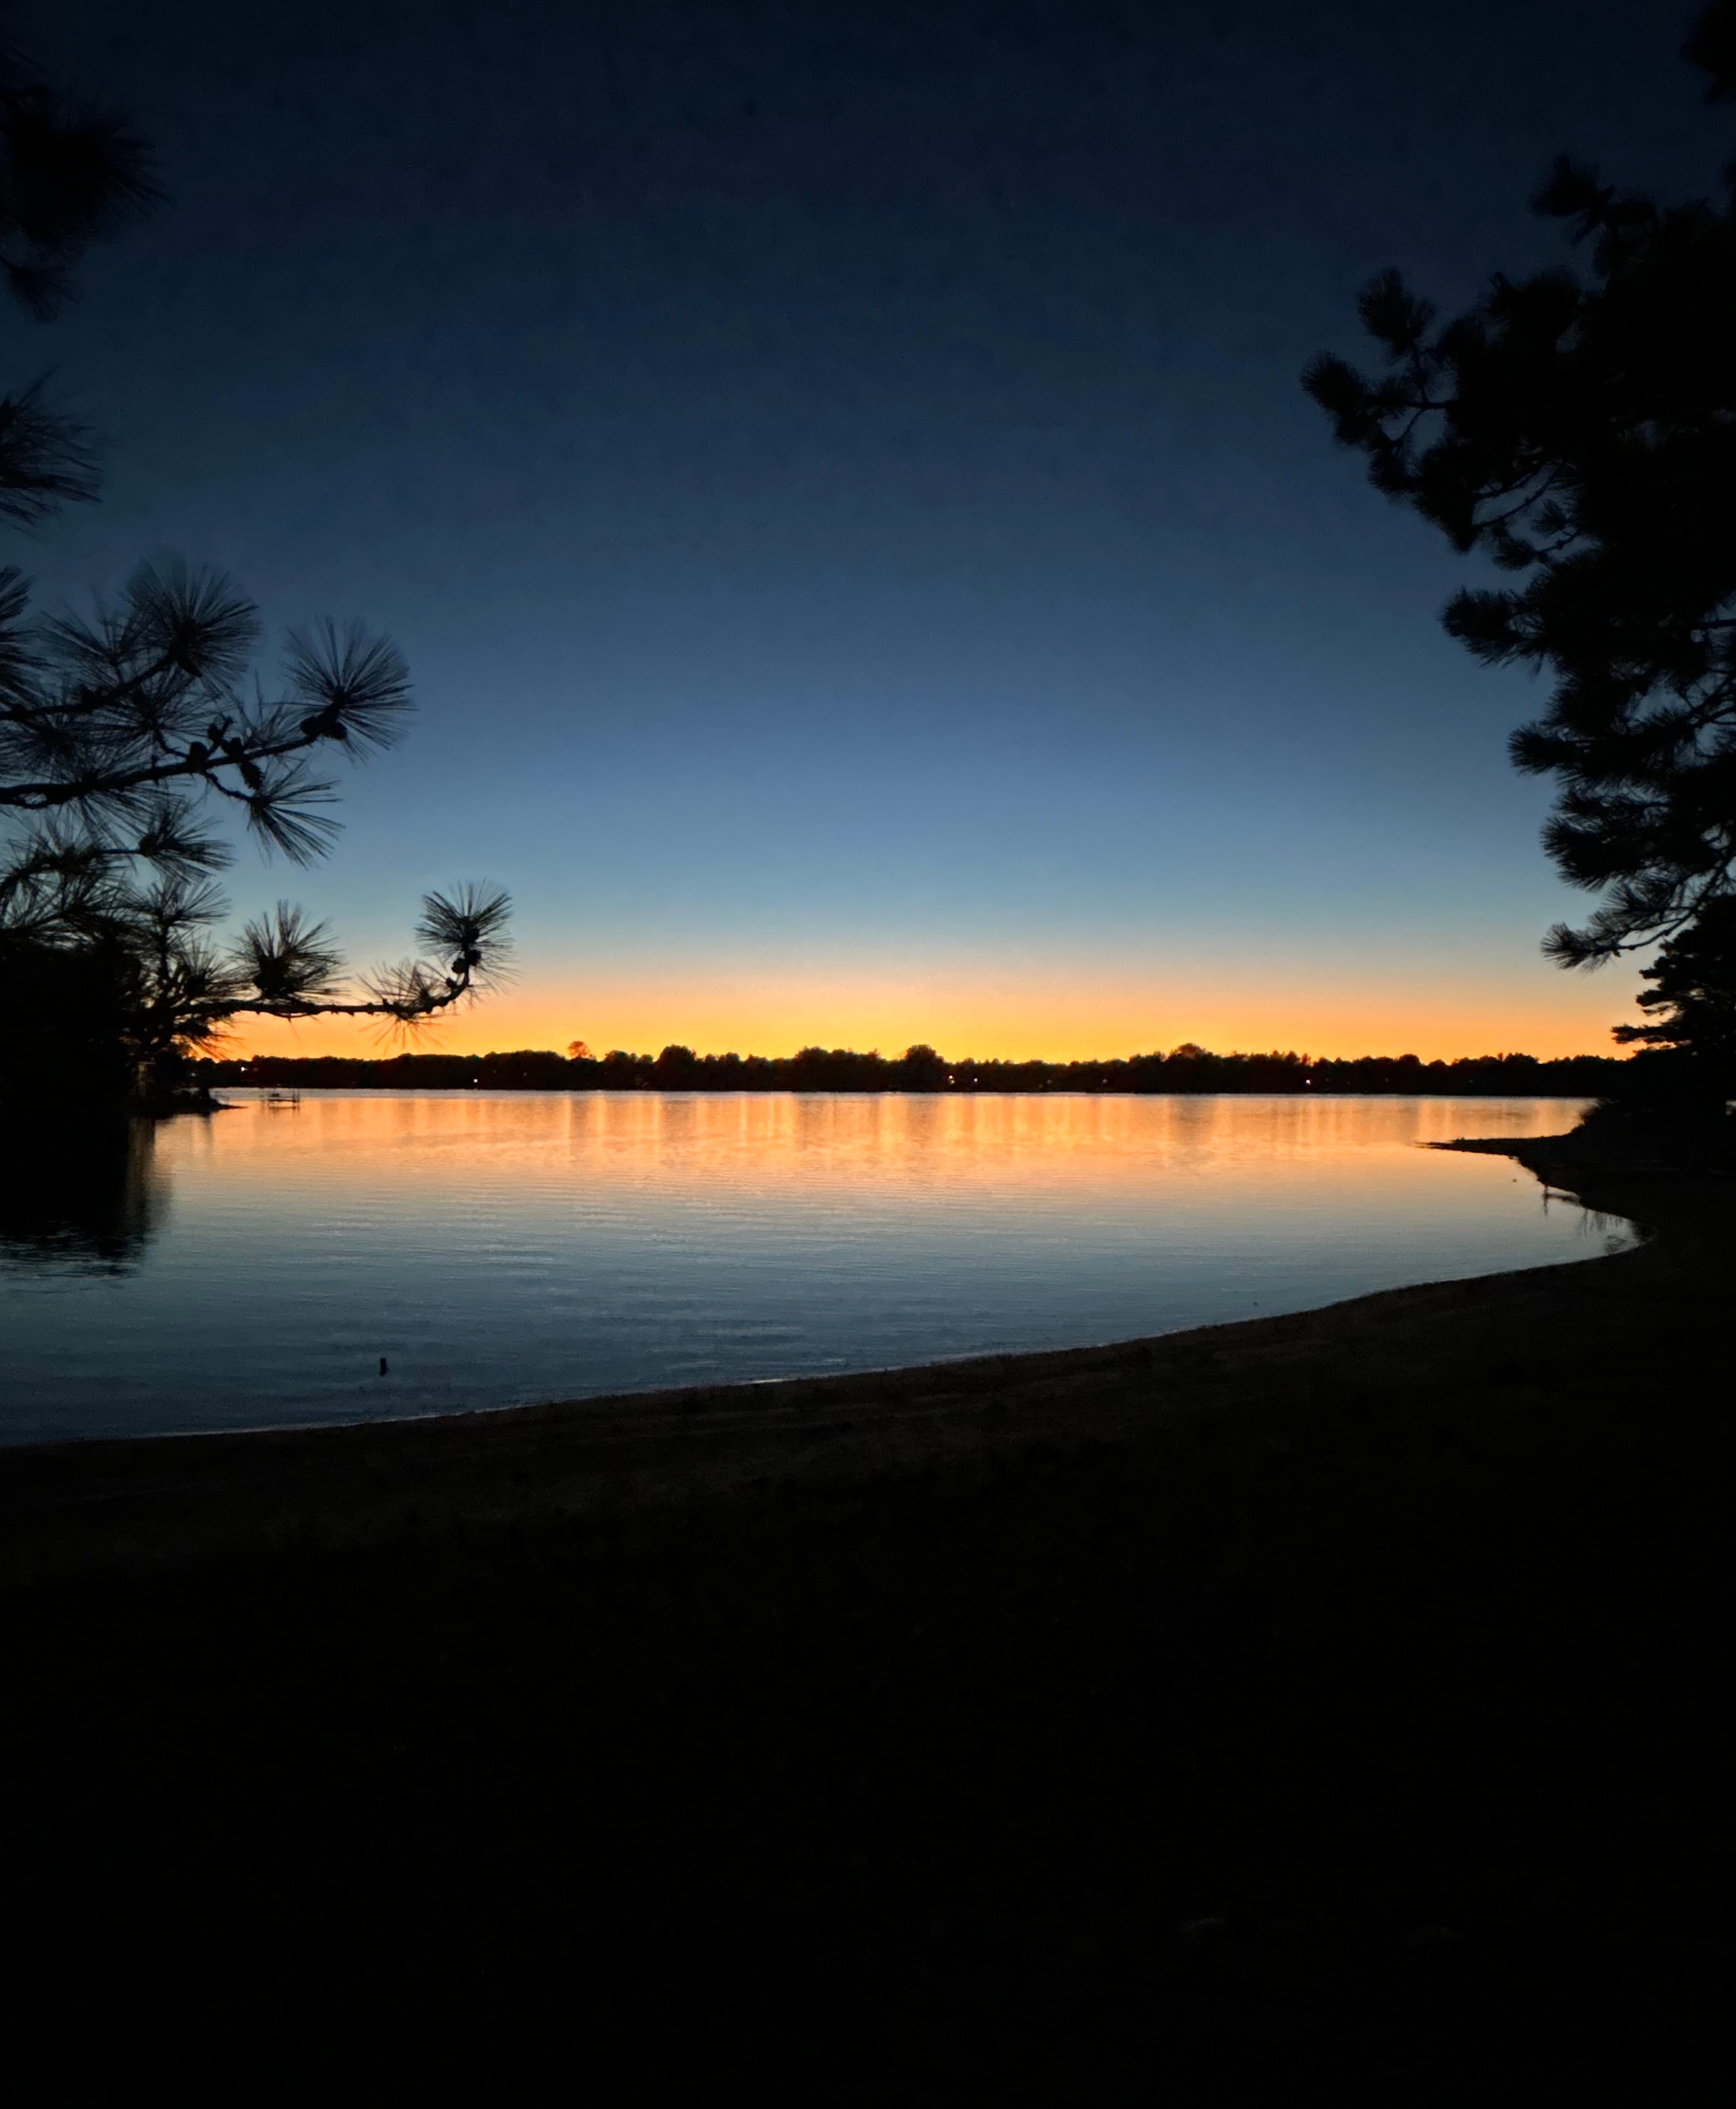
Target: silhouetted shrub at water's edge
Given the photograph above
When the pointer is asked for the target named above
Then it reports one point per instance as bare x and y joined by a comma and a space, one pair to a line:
1187, 1069
63, 1040
1652, 1130
1690, 1027
1671, 1100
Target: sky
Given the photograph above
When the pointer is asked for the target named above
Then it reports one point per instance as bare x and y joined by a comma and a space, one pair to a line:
840, 480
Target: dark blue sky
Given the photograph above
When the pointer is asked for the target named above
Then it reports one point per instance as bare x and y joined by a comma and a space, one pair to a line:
840, 478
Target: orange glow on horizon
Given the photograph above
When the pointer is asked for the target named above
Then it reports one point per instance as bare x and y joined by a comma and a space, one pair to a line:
1047, 1017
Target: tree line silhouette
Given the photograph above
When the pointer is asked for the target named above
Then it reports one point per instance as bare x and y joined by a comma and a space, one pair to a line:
920, 1068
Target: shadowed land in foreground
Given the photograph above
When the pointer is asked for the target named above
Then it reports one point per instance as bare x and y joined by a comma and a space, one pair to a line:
1339, 1696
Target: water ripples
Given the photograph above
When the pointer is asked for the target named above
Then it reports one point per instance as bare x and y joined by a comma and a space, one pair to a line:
498, 1248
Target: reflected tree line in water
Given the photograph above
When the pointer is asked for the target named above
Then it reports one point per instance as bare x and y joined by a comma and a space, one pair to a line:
81, 1188
123, 734
83, 1195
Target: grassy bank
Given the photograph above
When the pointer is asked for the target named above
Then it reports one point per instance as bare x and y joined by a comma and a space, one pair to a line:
1338, 1698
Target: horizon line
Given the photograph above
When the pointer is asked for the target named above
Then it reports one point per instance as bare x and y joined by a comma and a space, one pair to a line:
686, 1056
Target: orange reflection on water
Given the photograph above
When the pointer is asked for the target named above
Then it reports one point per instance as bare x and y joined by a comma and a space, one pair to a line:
350, 1256
716, 1144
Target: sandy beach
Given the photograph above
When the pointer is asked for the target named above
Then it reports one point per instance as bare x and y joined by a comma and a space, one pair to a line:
1340, 1696
68, 1508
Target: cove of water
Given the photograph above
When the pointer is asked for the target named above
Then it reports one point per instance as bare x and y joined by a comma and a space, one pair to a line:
253, 1267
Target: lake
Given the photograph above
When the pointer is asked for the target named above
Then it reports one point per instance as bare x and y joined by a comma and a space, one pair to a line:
253, 1267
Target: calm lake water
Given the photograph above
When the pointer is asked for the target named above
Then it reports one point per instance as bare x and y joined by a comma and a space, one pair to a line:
253, 1267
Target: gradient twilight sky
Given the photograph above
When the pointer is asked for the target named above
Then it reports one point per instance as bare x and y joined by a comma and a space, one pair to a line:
839, 475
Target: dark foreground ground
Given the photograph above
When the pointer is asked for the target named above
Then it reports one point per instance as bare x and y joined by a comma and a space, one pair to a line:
1332, 1705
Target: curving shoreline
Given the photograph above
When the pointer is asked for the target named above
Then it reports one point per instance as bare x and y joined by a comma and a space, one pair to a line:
1341, 1695
76, 1507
